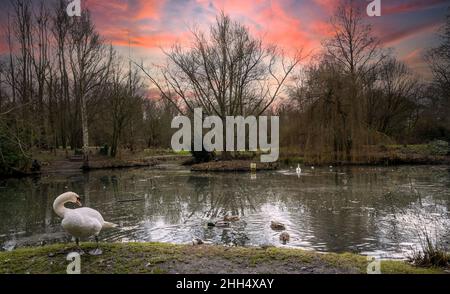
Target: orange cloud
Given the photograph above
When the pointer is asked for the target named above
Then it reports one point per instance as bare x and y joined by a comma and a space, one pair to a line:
271, 21
414, 57
290, 24
283, 29
150, 9
152, 41
322, 29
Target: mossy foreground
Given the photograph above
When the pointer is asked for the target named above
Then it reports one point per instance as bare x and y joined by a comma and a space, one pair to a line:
187, 259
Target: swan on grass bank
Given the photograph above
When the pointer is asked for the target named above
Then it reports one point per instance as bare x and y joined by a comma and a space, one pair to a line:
80, 222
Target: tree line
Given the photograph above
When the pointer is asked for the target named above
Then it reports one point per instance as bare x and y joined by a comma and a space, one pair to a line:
62, 85
357, 94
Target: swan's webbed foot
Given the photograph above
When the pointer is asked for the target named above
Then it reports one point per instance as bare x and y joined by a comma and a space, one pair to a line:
79, 250
96, 251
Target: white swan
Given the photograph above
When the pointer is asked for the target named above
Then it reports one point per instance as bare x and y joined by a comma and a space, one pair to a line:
298, 169
81, 222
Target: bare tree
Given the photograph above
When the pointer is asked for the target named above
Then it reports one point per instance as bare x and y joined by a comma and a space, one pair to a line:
357, 52
65, 115
353, 44
439, 60
23, 84
41, 66
333, 93
227, 72
439, 57
124, 97
394, 98
90, 61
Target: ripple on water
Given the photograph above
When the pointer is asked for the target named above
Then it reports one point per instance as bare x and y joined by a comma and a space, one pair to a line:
342, 210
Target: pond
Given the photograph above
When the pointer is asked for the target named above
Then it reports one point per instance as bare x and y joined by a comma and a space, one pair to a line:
379, 211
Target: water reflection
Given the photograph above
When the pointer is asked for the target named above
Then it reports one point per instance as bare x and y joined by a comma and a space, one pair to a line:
361, 209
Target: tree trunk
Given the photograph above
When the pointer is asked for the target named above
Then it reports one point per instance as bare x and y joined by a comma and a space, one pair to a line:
85, 129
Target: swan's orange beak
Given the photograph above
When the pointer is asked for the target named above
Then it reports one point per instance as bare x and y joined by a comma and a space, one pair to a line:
78, 203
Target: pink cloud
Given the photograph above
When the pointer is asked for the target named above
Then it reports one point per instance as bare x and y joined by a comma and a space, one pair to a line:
409, 6
394, 37
328, 6
414, 57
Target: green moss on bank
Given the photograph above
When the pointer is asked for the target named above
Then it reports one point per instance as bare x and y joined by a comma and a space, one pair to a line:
159, 258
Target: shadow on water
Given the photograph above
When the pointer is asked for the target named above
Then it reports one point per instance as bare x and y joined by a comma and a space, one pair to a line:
334, 210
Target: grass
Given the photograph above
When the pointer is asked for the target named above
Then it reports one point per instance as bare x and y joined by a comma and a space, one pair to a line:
420, 149
160, 258
293, 160
371, 154
430, 255
162, 151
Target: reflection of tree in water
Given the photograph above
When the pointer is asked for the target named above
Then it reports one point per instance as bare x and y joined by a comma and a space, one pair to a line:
199, 197
196, 199
229, 195
164, 198
347, 209
340, 209
27, 211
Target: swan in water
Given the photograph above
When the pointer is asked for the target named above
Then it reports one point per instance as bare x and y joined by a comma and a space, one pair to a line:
298, 169
80, 222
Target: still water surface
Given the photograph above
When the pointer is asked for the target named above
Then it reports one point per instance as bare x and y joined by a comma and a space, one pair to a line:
377, 211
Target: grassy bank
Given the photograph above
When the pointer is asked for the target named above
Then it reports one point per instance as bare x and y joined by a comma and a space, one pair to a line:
168, 258
52, 163
371, 155
233, 166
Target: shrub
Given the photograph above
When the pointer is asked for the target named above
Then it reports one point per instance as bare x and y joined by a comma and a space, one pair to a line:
11, 157
202, 156
430, 255
104, 150
428, 224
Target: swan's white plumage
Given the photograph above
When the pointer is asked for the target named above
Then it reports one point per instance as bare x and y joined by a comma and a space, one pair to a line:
298, 169
80, 222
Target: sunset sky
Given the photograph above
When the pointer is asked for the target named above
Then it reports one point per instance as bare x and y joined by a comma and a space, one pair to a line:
408, 26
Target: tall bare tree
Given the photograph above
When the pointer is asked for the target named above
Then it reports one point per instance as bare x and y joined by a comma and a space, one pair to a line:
439, 60
90, 61
124, 89
357, 52
66, 115
227, 71
394, 98
41, 66
353, 44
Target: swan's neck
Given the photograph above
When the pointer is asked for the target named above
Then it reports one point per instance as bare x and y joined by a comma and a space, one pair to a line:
59, 208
